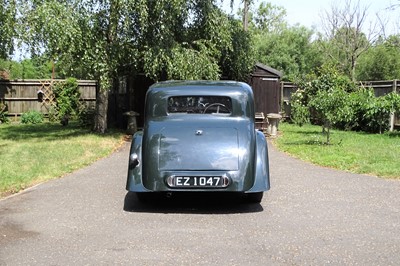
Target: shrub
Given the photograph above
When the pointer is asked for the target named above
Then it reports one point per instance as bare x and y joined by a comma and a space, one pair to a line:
67, 98
3, 114
300, 113
52, 114
332, 107
323, 99
372, 113
32, 117
86, 115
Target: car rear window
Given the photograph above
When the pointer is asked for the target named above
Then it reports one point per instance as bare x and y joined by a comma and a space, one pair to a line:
200, 104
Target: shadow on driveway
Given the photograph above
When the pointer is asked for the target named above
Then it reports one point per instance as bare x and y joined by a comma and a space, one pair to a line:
193, 203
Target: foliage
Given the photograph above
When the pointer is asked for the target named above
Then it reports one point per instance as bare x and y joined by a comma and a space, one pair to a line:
32, 117
238, 59
269, 18
78, 35
331, 107
7, 23
372, 113
86, 116
357, 152
4, 117
67, 98
326, 77
186, 43
344, 40
3, 114
163, 39
326, 95
187, 64
289, 51
34, 68
52, 114
300, 113
332, 100
381, 62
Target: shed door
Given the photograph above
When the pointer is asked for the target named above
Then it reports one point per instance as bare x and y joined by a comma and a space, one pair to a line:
267, 94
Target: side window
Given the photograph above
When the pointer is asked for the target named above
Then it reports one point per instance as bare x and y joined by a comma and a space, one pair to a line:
200, 104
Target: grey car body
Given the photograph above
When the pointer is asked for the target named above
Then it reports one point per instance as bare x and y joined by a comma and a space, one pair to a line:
199, 136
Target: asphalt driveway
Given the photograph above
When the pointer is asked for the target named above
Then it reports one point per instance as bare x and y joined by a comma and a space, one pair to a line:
311, 216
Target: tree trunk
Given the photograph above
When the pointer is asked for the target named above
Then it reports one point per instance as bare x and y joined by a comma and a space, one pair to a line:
246, 15
328, 135
100, 119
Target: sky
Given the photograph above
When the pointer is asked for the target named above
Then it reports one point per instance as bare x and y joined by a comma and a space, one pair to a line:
308, 12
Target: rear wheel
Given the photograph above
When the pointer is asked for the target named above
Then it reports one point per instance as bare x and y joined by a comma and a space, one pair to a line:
255, 197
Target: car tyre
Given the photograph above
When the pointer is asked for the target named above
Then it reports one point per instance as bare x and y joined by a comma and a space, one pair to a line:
255, 197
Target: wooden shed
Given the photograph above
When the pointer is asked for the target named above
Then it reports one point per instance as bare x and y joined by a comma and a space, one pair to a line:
127, 95
265, 82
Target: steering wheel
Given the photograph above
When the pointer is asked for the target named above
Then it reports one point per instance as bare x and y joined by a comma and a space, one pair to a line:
219, 106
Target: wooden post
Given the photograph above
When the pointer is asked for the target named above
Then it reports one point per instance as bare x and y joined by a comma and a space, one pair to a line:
282, 102
392, 114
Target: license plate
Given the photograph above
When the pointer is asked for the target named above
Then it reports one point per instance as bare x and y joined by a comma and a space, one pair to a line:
198, 181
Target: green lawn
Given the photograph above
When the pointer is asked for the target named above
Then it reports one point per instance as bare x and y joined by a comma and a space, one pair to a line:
356, 152
30, 154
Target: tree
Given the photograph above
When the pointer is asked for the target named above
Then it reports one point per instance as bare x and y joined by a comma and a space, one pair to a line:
287, 48
380, 62
245, 12
331, 107
326, 97
237, 58
290, 51
163, 39
186, 42
33, 68
87, 34
270, 18
7, 25
344, 40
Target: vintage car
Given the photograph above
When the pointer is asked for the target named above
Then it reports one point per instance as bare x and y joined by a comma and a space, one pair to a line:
199, 136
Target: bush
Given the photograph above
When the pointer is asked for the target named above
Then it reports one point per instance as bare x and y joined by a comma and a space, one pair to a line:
32, 117
323, 99
67, 98
330, 99
3, 114
300, 111
52, 114
372, 113
86, 116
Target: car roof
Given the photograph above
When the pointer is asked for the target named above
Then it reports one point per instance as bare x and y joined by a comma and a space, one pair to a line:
199, 87
240, 92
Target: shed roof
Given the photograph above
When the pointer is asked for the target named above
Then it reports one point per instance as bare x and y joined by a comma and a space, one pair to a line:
267, 69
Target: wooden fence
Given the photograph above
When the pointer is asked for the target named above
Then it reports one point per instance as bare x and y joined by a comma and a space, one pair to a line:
22, 96
380, 88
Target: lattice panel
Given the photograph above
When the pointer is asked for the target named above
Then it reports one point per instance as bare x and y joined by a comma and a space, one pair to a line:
48, 97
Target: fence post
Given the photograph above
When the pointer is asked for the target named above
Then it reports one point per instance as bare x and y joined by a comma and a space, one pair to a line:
394, 87
282, 101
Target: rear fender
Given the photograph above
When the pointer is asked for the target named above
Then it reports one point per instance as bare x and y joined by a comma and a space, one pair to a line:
261, 182
134, 180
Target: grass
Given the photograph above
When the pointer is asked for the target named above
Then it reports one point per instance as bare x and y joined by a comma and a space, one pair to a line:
31, 154
355, 152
